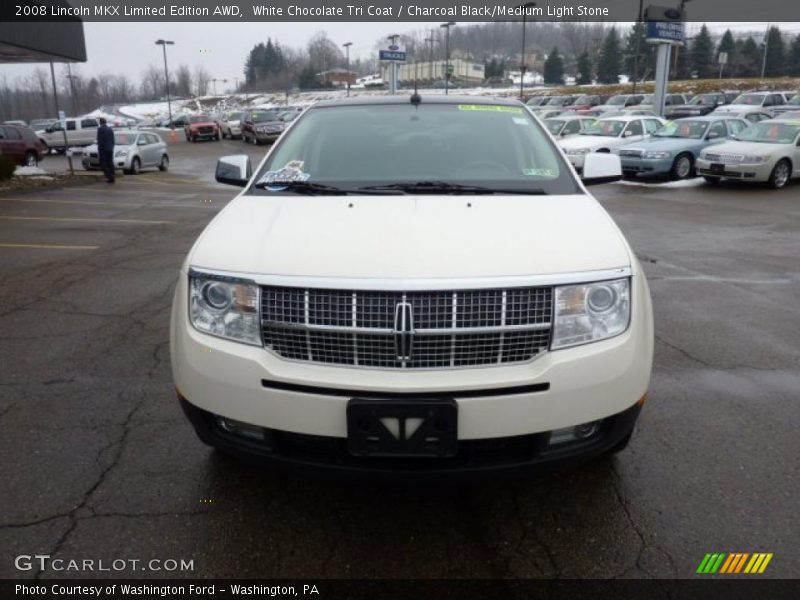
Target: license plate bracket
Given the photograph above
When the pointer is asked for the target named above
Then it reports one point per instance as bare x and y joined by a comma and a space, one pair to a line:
717, 168
408, 428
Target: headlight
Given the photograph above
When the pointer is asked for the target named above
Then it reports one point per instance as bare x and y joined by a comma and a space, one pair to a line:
590, 312
755, 160
227, 308
577, 151
657, 154
121, 153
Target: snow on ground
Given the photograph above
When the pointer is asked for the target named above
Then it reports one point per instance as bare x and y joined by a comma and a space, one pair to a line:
681, 183
28, 171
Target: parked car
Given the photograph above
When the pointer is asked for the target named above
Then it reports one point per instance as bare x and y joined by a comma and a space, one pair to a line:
262, 126
618, 102
587, 102
18, 123
230, 124
792, 105
535, 101
41, 124
558, 103
767, 151
753, 115
133, 151
765, 101
700, 105
79, 132
200, 127
648, 102
673, 149
567, 125
288, 116
22, 144
341, 331
607, 133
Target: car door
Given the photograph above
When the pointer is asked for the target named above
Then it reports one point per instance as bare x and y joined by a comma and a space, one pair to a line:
735, 126
12, 143
796, 157
652, 125
87, 133
155, 148
71, 125
634, 131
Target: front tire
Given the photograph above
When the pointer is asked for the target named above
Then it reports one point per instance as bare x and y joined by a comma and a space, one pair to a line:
136, 166
164, 164
31, 160
255, 141
682, 167
781, 174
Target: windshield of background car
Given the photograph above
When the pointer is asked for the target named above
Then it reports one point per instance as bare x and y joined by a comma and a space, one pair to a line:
263, 117
353, 146
683, 129
586, 100
605, 128
123, 139
750, 99
617, 100
559, 101
199, 119
795, 101
770, 133
704, 100
234, 116
647, 99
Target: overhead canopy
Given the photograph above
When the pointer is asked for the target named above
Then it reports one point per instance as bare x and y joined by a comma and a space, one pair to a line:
42, 42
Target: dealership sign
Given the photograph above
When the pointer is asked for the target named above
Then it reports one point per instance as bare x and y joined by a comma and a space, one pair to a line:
665, 32
393, 52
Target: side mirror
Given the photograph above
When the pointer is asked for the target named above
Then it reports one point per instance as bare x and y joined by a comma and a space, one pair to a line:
601, 167
234, 170
628, 133
712, 135
141, 142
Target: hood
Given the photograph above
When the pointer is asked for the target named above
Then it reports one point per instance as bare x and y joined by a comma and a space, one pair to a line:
750, 148
657, 143
588, 141
411, 237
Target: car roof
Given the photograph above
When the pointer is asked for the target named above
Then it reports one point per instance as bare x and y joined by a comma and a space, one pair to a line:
426, 99
789, 121
711, 117
571, 117
628, 117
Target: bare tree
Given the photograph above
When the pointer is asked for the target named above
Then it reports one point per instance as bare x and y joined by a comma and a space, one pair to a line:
183, 81
323, 54
201, 79
152, 82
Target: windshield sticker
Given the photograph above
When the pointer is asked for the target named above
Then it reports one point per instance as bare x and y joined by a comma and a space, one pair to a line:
291, 171
521, 121
490, 108
538, 172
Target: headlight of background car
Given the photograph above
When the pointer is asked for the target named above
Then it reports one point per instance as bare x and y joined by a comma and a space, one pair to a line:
225, 308
754, 160
590, 312
121, 153
578, 151
657, 154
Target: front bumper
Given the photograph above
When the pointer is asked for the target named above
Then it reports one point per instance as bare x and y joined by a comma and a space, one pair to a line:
93, 162
267, 137
740, 172
645, 166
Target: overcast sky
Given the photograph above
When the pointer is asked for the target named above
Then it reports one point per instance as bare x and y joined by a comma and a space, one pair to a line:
129, 47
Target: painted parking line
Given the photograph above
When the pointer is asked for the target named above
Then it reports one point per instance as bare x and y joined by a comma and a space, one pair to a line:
47, 246
133, 221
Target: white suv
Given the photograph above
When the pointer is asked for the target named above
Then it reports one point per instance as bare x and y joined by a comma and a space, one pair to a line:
417, 287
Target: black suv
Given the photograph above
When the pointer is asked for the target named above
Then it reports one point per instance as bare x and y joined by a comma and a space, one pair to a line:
700, 105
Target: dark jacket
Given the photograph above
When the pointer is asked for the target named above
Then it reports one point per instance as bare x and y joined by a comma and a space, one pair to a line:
105, 138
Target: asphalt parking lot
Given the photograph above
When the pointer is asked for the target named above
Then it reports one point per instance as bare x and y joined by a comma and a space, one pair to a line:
100, 463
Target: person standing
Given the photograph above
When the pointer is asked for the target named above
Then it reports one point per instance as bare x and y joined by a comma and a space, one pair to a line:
105, 149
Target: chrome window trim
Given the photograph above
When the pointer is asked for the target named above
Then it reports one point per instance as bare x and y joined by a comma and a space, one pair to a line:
413, 285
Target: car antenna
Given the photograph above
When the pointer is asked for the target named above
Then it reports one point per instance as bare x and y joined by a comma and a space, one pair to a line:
416, 99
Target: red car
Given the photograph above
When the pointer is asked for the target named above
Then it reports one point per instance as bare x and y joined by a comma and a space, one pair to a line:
21, 144
587, 102
199, 127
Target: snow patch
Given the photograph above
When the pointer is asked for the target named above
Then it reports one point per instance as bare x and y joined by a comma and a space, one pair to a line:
28, 171
681, 183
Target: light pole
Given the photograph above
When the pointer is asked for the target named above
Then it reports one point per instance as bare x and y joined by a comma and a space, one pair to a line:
430, 40
447, 27
639, 34
164, 44
393, 65
347, 53
524, 8
71, 78
766, 45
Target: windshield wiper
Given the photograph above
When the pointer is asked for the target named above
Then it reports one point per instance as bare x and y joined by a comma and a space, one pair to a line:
307, 187
443, 187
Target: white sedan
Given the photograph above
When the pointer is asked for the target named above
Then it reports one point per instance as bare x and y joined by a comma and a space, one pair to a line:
133, 151
608, 133
767, 151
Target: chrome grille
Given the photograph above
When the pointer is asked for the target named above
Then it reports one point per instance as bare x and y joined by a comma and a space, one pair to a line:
724, 158
440, 330
632, 152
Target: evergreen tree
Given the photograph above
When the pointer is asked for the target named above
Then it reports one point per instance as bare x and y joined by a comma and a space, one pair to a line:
647, 53
748, 57
793, 60
681, 63
585, 68
727, 45
608, 65
702, 54
308, 79
554, 68
776, 54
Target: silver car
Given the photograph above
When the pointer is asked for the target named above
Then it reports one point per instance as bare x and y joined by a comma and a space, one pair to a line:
133, 151
230, 124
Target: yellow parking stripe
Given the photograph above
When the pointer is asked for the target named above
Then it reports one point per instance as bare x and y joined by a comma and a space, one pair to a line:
48, 246
764, 564
137, 221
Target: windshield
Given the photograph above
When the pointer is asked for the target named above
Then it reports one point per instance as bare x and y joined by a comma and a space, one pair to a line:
769, 133
586, 99
647, 99
234, 116
617, 100
123, 139
795, 101
199, 119
683, 129
559, 101
554, 125
605, 128
704, 100
499, 147
262, 117
751, 99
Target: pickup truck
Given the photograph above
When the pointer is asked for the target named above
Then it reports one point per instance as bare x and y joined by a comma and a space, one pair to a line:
80, 132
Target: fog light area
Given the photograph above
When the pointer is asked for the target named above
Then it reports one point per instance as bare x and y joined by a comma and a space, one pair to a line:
575, 433
240, 429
